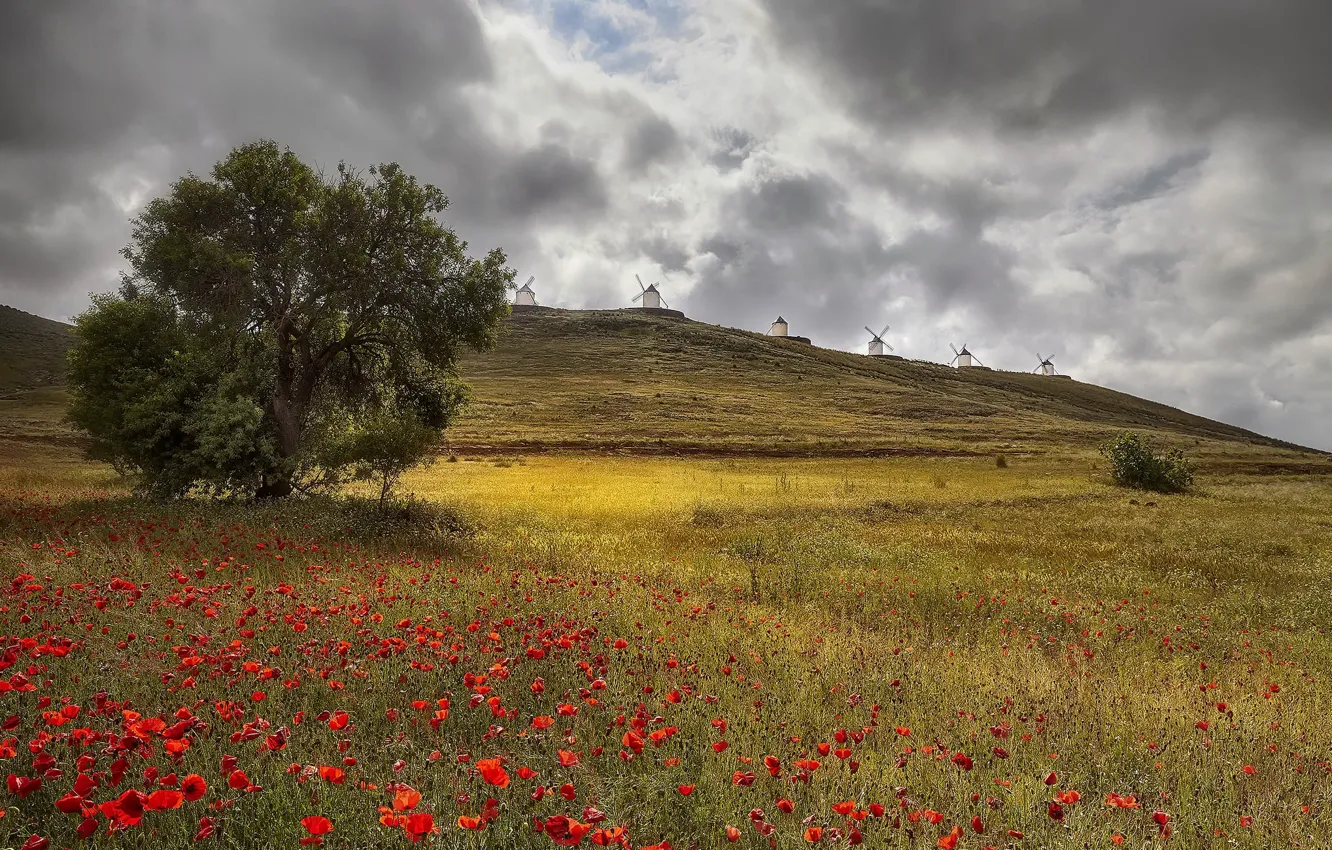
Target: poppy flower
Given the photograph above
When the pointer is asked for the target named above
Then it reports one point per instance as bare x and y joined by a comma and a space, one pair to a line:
333, 775
239, 781
469, 822
732, 834
949, 841
193, 787
493, 772
163, 799
568, 759
685, 790
814, 834
418, 826
406, 798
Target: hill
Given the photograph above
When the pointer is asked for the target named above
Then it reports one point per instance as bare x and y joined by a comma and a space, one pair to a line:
632, 382
628, 381
32, 351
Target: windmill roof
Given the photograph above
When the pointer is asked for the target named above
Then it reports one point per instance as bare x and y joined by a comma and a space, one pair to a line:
652, 287
525, 288
780, 321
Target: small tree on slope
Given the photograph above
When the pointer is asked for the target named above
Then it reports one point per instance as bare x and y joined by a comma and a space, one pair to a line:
1134, 462
275, 318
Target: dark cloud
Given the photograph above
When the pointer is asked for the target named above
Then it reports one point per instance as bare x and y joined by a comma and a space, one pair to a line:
88, 87
1033, 64
549, 181
652, 140
791, 246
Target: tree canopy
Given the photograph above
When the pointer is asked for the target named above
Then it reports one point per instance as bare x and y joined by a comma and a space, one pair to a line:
279, 329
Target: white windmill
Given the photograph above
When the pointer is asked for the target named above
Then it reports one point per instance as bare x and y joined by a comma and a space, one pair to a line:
963, 358
876, 343
526, 297
1047, 366
651, 297
778, 328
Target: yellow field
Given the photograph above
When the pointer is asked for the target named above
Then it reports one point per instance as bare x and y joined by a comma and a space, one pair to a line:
979, 629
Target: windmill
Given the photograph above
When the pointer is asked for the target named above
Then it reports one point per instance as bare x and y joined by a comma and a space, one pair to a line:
778, 328
526, 297
876, 343
963, 358
1046, 366
651, 297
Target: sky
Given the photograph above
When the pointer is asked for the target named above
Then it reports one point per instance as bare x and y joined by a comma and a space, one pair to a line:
1140, 189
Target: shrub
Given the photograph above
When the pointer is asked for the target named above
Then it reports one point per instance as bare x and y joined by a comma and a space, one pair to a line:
1134, 462
1001, 461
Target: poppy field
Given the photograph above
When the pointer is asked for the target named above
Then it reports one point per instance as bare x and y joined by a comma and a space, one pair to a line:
598, 652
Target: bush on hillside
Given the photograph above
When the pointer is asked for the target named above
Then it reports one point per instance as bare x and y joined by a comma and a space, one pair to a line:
1135, 462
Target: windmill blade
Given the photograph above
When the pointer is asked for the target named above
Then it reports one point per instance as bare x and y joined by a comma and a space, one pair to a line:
871, 333
1037, 369
664, 304
1039, 357
955, 351
638, 296
889, 347
977, 359
529, 280
640, 283
954, 360
882, 332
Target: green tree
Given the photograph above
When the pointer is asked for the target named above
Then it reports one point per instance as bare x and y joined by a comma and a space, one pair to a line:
273, 317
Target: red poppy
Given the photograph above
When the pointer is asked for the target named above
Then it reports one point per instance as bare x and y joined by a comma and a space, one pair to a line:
405, 798
418, 826
686, 790
493, 772
334, 775
193, 787
163, 799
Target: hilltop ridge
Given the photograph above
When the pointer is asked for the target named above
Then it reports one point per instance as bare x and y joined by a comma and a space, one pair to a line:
629, 381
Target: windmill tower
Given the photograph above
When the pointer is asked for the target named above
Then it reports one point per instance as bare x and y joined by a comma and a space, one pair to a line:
650, 296
963, 359
876, 343
1046, 366
778, 328
526, 297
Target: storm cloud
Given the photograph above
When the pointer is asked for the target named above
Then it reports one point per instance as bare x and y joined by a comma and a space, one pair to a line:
1143, 188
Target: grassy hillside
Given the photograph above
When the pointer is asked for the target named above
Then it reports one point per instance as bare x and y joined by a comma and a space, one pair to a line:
628, 381
32, 350
623, 381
